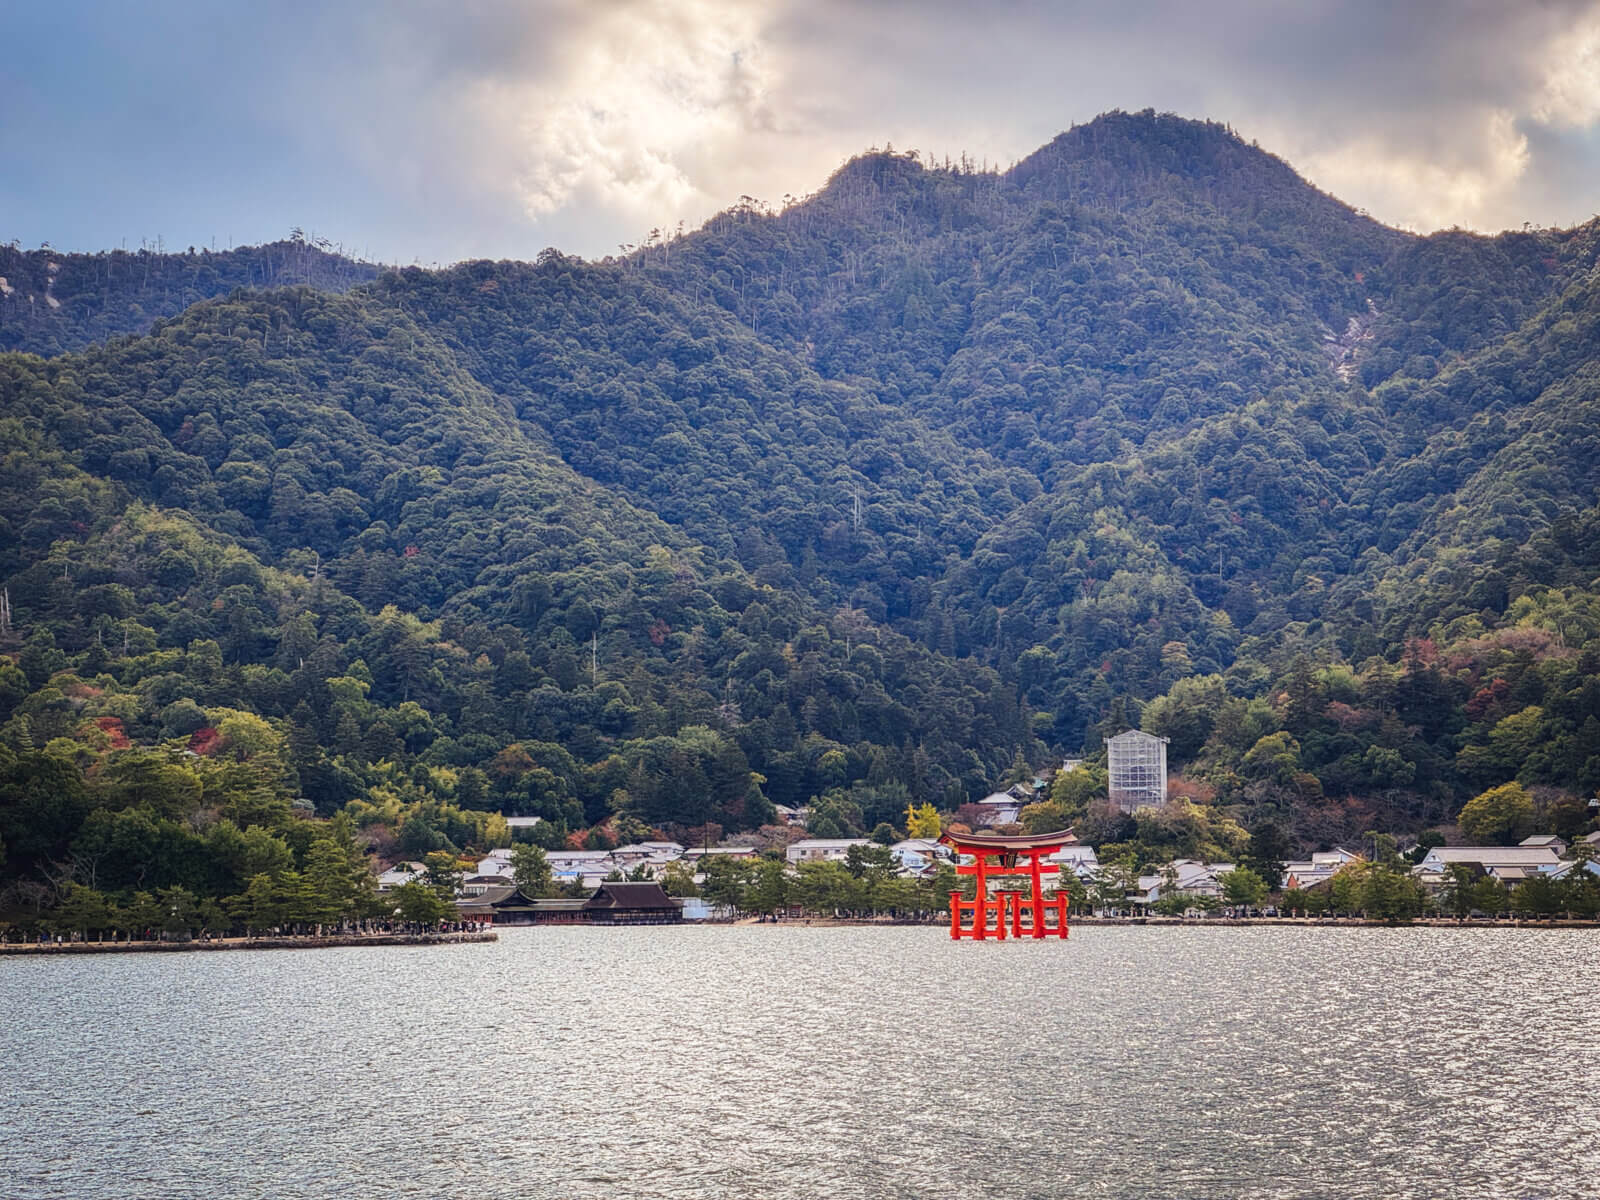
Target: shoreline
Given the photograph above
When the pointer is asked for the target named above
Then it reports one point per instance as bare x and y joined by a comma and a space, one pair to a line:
323, 942
1196, 923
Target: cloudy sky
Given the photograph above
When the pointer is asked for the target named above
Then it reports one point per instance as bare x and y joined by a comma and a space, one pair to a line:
433, 132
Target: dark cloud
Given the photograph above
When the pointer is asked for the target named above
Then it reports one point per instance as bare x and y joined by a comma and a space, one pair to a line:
421, 131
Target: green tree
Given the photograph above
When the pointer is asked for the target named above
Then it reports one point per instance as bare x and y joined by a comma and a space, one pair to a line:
769, 890
678, 880
257, 907
420, 904
530, 869
1243, 888
1267, 853
1456, 890
726, 880
1391, 895
1072, 792
337, 872
1500, 815
442, 872
1538, 896
145, 915
179, 913
1488, 896
1581, 889
81, 910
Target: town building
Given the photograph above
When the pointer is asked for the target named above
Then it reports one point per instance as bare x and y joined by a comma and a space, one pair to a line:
1075, 859
1001, 808
1508, 865
918, 856
821, 849
399, 874
699, 855
1318, 869
1557, 844
1137, 765
1183, 877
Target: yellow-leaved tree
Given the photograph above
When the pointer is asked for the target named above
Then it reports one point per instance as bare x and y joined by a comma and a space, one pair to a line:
922, 821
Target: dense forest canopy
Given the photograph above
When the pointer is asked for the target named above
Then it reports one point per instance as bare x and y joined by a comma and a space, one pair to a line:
875, 501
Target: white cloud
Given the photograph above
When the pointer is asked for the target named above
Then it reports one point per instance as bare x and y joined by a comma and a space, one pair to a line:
639, 113
1570, 91
1421, 193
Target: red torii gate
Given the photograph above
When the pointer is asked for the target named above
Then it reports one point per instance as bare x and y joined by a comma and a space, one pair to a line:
1007, 853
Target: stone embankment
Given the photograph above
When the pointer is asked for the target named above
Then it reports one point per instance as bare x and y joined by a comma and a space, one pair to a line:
322, 942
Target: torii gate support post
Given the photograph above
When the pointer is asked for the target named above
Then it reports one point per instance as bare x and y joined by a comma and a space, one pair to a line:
980, 900
1038, 896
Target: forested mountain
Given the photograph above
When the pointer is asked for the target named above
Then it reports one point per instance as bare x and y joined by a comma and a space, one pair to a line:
51, 302
925, 479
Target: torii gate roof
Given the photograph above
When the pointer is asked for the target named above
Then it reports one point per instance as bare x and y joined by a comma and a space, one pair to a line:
970, 842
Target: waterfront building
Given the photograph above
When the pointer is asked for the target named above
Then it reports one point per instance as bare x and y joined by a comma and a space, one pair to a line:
632, 904
1137, 764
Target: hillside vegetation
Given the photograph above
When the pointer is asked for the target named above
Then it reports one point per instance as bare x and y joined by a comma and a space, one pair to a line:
917, 484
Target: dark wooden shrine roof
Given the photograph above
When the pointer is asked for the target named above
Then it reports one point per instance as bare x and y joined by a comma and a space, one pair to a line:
496, 897
631, 896
1021, 841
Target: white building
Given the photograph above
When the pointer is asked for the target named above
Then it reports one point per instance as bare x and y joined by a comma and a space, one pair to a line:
1137, 764
913, 856
697, 855
498, 862
1078, 859
399, 874
1540, 858
821, 849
